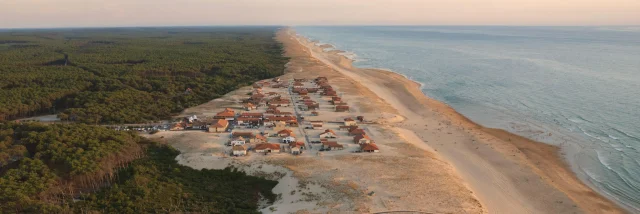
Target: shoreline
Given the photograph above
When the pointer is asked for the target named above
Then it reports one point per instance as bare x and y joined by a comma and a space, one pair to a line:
554, 175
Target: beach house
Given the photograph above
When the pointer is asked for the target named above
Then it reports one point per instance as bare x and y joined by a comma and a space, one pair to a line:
355, 132
331, 145
288, 139
286, 133
239, 150
249, 106
238, 141
349, 122
227, 114
369, 147
218, 125
267, 148
361, 139
342, 108
328, 134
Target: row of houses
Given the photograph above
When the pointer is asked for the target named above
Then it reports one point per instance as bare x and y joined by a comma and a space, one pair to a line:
350, 125
327, 90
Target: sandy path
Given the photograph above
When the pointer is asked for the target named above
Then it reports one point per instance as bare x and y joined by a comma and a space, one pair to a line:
507, 177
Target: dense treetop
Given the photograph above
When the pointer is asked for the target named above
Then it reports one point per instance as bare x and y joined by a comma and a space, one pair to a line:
79, 168
128, 75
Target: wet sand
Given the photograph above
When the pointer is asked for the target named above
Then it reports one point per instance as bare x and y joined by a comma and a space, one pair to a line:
505, 172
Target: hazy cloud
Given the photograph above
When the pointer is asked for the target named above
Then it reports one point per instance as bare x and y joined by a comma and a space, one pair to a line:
71, 13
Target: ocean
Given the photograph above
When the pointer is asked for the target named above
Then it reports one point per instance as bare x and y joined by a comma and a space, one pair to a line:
575, 87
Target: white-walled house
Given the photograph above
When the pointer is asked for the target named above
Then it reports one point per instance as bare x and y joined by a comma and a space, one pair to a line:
288, 139
238, 141
239, 150
328, 134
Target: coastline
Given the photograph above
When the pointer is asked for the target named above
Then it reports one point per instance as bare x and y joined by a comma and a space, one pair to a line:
522, 175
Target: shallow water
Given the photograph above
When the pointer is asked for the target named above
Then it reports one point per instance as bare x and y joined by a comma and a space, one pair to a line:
578, 87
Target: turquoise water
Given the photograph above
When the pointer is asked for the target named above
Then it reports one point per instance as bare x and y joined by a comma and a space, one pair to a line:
576, 87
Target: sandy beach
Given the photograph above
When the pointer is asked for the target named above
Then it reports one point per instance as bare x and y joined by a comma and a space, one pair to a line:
431, 158
508, 173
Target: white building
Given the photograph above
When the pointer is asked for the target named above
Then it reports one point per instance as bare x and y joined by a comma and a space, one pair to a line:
238, 141
288, 139
239, 150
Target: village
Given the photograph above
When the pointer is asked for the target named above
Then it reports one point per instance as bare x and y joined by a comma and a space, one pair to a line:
286, 117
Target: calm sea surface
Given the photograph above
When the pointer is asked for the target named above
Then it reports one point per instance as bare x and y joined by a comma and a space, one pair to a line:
577, 87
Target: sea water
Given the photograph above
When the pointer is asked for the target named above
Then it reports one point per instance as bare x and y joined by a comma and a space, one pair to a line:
576, 87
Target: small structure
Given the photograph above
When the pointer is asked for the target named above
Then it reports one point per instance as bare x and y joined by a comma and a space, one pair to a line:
286, 133
239, 150
288, 139
238, 141
267, 148
297, 144
219, 125
347, 128
244, 121
316, 126
177, 127
317, 122
279, 126
369, 147
330, 93
249, 106
342, 108
259, 139
252, 115
283, 103
360, 118
349, 122
362, 139
328, 134
303, 92
295, 150
331, 145
355, 132
242, 134
227, 114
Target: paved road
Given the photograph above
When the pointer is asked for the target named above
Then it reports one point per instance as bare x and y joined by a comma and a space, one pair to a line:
299, 116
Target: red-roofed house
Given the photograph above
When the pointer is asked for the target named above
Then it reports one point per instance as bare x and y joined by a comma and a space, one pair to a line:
349, 122
243, 121
342, 108
226, 115
267, 148
286, 133
369, 147
330, 145
356, 132
252, 115
328, 134
361, 139
219, 125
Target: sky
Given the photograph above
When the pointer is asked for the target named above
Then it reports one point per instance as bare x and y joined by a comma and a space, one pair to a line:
113, 13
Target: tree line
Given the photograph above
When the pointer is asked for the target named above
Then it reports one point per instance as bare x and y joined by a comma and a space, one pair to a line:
129, 75
82, 168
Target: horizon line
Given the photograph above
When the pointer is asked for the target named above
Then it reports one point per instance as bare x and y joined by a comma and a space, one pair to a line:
308, 25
